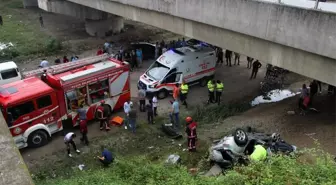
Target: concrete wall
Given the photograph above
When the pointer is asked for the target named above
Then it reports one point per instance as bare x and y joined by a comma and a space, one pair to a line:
71, 9
30, 3
102, 28
13, 170
305, 29
296, 60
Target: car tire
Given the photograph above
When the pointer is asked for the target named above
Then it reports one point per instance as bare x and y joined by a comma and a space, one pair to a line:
37, 139
204, 81
240, 137
162, 94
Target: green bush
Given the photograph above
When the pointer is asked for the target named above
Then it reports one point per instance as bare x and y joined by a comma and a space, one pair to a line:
212, 114
53, 45
8, 53
277, 170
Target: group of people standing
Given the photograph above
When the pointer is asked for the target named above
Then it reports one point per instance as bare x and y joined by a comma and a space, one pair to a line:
102, 115
134, 57
44, 63
151, 107
255, 65
163, 46
181, 92
228, 57
215, 90
308, 94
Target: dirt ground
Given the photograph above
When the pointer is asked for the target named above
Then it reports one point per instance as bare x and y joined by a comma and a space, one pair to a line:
236, 78
296, 129
312, 130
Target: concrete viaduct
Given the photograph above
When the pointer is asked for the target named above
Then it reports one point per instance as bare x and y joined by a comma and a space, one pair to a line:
300, 40
297, 39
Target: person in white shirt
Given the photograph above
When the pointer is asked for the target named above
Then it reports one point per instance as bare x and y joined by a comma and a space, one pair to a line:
127, 109
127, 106
106, 46
155, 104
44, 63
68, 139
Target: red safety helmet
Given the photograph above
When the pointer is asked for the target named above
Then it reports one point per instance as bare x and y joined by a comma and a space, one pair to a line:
188, 119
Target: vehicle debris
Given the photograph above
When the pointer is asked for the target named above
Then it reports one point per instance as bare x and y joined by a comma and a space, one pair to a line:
236, 148
173, 159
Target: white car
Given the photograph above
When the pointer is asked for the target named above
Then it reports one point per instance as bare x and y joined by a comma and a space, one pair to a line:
9, 72
233, 149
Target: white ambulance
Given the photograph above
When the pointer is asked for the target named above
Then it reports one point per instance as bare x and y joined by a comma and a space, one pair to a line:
191, 64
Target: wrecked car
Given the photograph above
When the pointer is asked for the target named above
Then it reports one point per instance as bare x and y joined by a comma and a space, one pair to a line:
234, 149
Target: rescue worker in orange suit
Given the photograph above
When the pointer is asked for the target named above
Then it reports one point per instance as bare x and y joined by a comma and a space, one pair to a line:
102, 116
176, 91
192, 135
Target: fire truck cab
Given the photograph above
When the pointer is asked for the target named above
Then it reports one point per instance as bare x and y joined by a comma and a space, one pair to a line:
28, 105
34, 108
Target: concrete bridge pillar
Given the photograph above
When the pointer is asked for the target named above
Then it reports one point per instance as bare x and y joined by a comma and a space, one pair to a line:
98, 23
30, 3
105, 27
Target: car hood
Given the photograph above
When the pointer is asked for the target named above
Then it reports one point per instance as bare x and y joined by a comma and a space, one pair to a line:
147, 80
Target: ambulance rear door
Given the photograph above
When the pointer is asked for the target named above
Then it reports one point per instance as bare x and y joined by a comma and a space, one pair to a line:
205, 65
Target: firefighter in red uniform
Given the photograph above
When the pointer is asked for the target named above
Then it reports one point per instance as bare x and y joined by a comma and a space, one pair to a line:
192, 135
102, 116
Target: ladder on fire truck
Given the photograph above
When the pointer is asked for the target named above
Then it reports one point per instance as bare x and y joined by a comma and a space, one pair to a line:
56, 69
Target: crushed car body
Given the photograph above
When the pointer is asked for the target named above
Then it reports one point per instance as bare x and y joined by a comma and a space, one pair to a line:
236, 148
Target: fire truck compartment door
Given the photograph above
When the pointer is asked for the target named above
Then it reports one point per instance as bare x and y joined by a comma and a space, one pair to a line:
118, 83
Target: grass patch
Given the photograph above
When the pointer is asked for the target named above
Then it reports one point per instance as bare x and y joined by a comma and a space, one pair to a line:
214, 113
141, 170
23, 30
149, 143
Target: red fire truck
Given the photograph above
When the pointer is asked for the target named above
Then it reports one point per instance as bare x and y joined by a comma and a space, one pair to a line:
34, 108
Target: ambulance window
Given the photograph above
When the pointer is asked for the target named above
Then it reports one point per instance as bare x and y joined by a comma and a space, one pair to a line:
99, 91
21, 110
43, 102
172, 71
171, 76
11, 73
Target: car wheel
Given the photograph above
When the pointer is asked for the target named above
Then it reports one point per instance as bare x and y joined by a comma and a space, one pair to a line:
203, 82
240, 137
37, 139
162, 94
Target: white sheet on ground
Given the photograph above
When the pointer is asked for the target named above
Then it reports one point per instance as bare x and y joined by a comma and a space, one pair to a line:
273, 96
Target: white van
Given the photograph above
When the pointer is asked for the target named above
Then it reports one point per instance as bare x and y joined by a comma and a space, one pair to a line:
191, 64
9, 72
